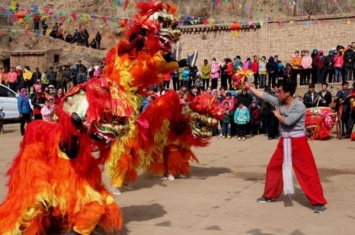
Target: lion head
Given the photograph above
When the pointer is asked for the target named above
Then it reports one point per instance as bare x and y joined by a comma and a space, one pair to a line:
99, 108
203, 114
157, 23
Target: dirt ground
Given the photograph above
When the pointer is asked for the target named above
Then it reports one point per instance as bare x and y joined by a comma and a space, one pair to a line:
220, 195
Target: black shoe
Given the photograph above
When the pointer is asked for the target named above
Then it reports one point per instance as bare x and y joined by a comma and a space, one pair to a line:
263, 199
319, 208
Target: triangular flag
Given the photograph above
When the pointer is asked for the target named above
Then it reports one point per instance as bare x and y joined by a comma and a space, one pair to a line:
13, 5
261, 23
126, 2
27, 33
28, 17
73, 14
13, 31
104, 19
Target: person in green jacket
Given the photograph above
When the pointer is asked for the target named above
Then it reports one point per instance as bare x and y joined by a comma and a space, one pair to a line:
206, 74
44, 79
226, 122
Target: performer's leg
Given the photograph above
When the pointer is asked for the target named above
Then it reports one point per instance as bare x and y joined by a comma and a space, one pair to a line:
111, 220
273, 181
306, 171
88, 218
118, 179
173, 160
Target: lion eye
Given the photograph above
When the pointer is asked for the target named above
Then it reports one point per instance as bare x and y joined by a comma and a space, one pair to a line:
164, 25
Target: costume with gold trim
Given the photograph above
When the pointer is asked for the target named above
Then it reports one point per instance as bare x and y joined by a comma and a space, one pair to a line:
55, 182
174, 128
136, 64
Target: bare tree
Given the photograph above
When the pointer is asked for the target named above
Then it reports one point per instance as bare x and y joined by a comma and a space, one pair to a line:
312, 7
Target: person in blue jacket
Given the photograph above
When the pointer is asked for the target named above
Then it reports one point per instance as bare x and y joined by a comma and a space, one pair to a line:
241, 118
24, 109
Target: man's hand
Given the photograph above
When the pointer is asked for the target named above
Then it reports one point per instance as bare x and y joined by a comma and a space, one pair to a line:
277, 112
248, 85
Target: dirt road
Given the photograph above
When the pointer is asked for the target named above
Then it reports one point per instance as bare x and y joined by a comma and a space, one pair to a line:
220, 195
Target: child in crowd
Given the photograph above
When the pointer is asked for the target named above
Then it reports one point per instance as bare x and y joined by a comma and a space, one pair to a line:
47, 112
199, 82
241, 118
2, 117
262, 72
53, 106
147, 101
184, 99
227, 121
254, 118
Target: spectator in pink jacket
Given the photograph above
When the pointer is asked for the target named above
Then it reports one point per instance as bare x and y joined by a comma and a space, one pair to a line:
230, 100
307, 68
338, 64
12, 77
214, 73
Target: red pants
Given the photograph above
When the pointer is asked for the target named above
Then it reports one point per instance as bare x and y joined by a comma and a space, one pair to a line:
304, 167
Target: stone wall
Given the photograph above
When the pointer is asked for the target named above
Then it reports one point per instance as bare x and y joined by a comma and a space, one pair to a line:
271, 39
32, 61
35, 58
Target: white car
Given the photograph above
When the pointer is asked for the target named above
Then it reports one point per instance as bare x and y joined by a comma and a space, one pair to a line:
8, 101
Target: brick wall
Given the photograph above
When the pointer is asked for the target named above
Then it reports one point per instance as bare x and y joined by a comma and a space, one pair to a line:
271, 39
28, 60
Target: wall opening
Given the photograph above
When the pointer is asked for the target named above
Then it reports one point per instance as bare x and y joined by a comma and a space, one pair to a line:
56, 58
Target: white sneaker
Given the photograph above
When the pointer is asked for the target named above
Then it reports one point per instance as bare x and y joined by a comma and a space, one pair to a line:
115, 191
160, 178
127, 186
181, 176
243, 138
171, 177
239, 139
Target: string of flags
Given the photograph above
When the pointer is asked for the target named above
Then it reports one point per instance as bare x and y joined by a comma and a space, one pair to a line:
25, 14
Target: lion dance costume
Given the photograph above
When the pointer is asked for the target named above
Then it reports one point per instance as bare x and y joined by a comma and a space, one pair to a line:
136, 64
54, 181
168, 140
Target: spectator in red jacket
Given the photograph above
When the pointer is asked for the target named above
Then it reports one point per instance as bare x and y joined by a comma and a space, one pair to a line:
254, 118
320, 63
255, 69
230, 66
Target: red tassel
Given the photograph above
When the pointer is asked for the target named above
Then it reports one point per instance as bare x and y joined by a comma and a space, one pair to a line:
233, 5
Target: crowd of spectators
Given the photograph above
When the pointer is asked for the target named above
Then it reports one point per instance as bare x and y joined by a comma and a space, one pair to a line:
80, 36
245, 115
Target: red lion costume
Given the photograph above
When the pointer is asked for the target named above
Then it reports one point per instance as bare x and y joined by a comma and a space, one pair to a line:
54, 181
168, 140
136, 64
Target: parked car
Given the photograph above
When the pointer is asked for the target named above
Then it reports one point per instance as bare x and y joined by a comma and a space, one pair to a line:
8, 100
